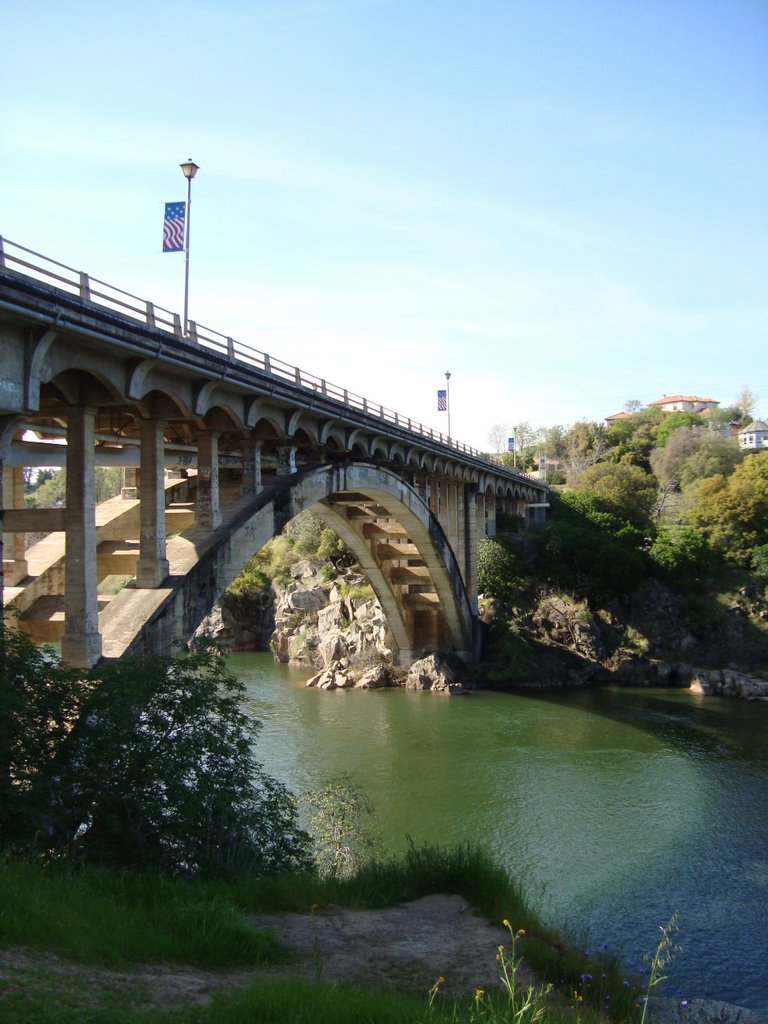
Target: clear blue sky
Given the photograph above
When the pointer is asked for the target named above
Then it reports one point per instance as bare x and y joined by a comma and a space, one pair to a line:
563, 202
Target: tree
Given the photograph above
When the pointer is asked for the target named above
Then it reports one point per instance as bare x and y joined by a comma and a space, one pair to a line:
553, 443
147, 763
692, 453
497, 570
497, 437
746, 402
586, 443
732, 512
633, 438
627, 490
339, 821
673, 421
52, 492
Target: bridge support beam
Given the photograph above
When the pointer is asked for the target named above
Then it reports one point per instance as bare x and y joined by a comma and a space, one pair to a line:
470, 544
252, 484
14, 554
286, 460
152, 566
208, 510
81, 642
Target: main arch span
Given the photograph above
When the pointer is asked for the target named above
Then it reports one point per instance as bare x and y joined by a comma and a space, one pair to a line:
392, 532
220, 445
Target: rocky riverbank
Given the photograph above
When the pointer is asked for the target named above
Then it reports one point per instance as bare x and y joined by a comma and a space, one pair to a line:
330, 624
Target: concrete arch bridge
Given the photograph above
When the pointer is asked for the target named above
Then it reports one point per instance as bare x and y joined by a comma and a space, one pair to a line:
220, 445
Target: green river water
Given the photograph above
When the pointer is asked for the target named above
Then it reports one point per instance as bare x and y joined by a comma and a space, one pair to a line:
614, 807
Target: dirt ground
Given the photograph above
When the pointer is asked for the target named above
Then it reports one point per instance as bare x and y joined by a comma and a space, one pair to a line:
408, 947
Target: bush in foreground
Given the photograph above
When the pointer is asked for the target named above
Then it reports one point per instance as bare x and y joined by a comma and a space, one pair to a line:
146, 763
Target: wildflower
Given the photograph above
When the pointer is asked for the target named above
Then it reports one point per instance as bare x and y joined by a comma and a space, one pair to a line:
521, 933
683, 1004
315, 906
440, 980
506, 923
479, 992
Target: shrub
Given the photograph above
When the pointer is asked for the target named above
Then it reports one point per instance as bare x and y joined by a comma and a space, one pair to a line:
680, 554
146, 763
497, 569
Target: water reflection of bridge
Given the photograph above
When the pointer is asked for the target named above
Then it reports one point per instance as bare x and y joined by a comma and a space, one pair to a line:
221, 446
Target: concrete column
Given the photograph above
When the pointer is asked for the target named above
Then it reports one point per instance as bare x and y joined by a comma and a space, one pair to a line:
490, 515
14, 552
252, 484
471, 516
152, 566
461, 519
286, 460
81, 642
208, 510
447, 511
433, 495
130, 489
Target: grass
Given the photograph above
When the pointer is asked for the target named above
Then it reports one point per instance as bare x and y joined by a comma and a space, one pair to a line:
108, 919
111, 918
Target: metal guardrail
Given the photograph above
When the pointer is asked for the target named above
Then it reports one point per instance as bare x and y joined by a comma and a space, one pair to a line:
92, 290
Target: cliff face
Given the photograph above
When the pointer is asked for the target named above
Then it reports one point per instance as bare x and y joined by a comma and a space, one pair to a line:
319, 623
657, 638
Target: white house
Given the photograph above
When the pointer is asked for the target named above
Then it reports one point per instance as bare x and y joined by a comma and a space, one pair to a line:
684, 403
754, 437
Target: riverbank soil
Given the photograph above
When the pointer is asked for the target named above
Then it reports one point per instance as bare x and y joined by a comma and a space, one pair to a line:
407, 948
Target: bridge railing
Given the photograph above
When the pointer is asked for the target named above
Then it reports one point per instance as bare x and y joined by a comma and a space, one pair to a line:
90, 289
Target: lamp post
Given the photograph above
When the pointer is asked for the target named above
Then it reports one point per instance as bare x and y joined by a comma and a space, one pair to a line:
448, 400
189, 170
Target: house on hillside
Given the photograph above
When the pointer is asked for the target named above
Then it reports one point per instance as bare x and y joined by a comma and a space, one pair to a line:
684, 403
672, 403
754, 437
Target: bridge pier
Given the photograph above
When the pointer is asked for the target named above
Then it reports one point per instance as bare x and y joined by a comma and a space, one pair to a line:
208, 509
14, 554
81, 642
152, 566
252, 484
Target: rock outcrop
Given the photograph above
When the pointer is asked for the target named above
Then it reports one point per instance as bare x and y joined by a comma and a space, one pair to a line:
437, 674
728, 683
328, 624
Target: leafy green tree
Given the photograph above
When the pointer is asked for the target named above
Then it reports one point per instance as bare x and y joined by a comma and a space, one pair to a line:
692, 453
673, 421
585, 559
628, 491
52, 492
680, 554
586, 443
554, 443
633, 438
732, 512
147, 763
497, 570
39, 700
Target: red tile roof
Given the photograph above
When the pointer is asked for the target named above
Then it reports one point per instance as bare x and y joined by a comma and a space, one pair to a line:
683, 398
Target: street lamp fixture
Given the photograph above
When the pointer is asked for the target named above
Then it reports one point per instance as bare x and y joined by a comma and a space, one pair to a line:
189, 170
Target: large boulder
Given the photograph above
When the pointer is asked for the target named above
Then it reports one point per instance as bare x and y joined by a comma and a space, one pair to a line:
436, 674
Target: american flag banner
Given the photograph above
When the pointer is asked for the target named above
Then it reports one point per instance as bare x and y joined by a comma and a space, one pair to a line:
173, 227
442, 401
